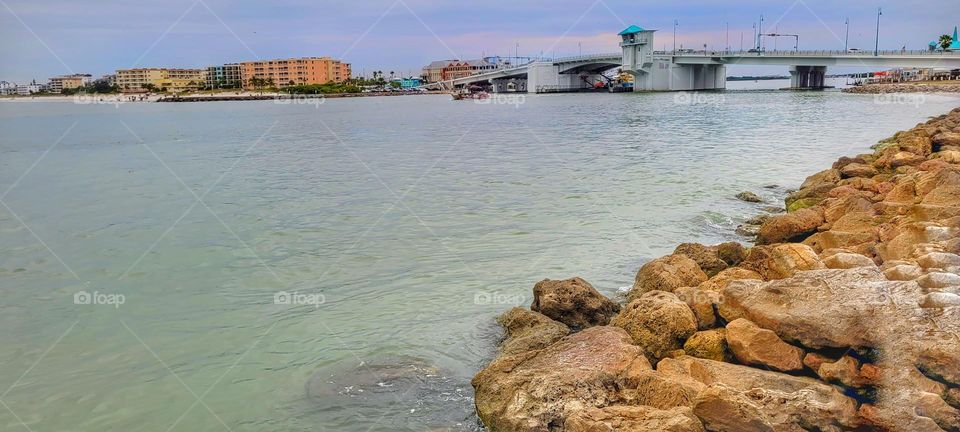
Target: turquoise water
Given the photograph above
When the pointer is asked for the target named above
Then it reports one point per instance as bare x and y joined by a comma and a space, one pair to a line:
403, 225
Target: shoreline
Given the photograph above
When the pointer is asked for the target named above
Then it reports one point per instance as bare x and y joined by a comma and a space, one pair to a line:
920, 87
116, 98
844, 315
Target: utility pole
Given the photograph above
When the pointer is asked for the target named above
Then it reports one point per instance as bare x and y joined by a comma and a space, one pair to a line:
727, 48
675, 24
741, 41
846, 39
760, 35
755, 44
876, 47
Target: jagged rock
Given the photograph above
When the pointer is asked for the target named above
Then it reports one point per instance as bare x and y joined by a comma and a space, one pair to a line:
667, 274
573, 302
539, 390
741, 398
946, 139
781, 261
633, 419
708, 258
731, 253
528, 330
658, 322
709, 344
846, 371
756, 346
831, 176
857, 170
749, 197
790, 227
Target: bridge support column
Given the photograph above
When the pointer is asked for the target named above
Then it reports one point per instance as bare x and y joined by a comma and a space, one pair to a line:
508, 85
808, 77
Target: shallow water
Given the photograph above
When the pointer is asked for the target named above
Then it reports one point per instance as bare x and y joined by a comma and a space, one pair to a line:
403, 224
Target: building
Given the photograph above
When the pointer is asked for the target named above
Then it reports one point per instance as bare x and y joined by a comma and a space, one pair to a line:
7, 88
68, 82
410, 82
160, 79
443, 70
955, 45
29, 89
294, 71
224, 76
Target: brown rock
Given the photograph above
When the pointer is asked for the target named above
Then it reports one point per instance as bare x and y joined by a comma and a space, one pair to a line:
537, 390
633, 419
845, 260
858, 170
723, 278
528, 330
790, 227
731, 253
709, 344
708, 258
667, 274
703, 303
658, 322
781, 261
573, 302
756, 346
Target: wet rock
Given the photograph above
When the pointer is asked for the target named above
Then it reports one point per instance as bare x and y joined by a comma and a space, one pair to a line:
749, 197
731, 253
782, 260
790, 227
666, 274
573, 302
709, 344
539, 390
633, 419
658, 322
528, 330
708, 258
756, 346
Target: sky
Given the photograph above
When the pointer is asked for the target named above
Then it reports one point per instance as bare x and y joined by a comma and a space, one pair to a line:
44, 38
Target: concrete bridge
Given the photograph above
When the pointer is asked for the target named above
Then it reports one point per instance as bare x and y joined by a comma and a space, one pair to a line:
687, 70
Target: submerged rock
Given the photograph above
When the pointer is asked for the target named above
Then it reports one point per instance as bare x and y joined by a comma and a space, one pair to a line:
749, 197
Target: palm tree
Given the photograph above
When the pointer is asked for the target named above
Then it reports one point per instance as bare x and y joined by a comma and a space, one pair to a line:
945, 41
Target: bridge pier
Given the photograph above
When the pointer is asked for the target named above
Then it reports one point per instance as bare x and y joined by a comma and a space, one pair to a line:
808, 77
508, 85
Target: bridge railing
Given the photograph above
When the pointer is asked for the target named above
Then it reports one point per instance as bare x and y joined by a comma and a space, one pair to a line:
584, 57
808, 53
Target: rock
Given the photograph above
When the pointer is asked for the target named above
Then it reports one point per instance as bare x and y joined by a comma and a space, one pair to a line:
709, 344
831, 176
539, 390
781, 261
528, 330
731, 253
845, 371
703, 303
747, 230
658, 322
790, 227
573, 302
795, 204
633, 419
938, 280
903, 272
708, 258
749, 197
939, 300
858, 170
946, 139
666, 274
756, 346
848, 260
741, 398
940, 260
720, 280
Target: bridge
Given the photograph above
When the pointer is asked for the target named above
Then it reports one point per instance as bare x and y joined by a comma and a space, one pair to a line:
687, 70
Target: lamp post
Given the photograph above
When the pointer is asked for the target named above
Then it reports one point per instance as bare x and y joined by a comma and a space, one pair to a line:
846, 39
760, 35
876, 47
675, 24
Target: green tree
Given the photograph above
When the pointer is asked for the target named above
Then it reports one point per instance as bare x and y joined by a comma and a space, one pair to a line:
945, 41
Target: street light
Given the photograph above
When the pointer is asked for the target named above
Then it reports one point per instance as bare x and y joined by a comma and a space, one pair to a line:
846, 40
876, 47
760, 35
675, 24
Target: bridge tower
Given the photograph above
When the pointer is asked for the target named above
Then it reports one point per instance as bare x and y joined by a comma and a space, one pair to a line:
637, 47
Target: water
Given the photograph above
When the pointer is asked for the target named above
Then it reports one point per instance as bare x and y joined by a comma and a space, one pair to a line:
403, 224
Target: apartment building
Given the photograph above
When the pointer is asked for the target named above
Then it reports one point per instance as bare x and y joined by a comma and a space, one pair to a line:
68, 82
172, 80
224, 76
443, 70
294, 71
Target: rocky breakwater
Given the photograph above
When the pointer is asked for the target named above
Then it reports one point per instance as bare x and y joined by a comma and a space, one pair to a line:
844, 316
937, 87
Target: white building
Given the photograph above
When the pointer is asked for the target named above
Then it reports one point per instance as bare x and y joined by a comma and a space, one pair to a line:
29, 89
7, 88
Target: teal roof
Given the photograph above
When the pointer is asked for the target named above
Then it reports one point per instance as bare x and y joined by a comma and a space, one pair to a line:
955, 45
630, 30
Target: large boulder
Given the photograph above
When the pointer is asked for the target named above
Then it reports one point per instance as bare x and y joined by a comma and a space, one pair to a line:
667, 274
706, 257
573, 302
708, 344
782, 260
538, 390
753, 345
528, 330
790, 227
633, 419
741, 398
658, 322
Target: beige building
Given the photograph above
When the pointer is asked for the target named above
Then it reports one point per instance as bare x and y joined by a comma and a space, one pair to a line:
67, 82
295, 71
161, 79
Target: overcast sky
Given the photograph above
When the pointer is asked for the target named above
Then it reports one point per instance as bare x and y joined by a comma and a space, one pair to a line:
43, 38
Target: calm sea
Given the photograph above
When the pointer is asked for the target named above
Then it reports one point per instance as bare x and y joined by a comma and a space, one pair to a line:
252, 266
